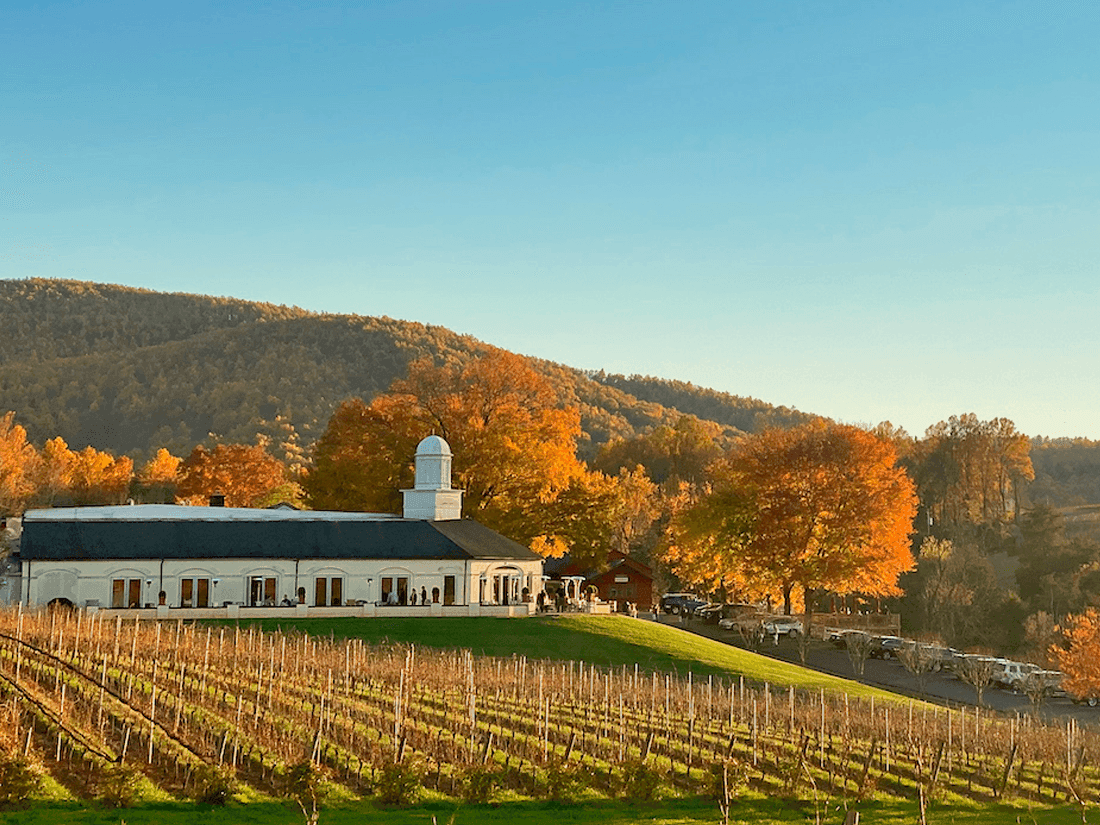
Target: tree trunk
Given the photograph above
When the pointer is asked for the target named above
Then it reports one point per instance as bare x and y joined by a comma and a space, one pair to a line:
808, 598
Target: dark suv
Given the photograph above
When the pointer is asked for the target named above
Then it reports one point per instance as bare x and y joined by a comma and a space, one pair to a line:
677, 603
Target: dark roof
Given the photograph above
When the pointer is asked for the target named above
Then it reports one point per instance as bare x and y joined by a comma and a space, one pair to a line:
565, 566
641, 570
65, 539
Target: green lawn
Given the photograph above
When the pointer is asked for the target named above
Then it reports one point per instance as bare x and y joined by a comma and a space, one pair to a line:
607, 641
669, 812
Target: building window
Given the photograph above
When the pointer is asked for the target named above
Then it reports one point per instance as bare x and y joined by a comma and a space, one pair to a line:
625, 591
194, 592
126, 593
262, 592
328, 592
448, 590
395, 590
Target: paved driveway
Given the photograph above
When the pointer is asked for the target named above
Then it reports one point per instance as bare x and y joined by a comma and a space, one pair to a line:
943, 688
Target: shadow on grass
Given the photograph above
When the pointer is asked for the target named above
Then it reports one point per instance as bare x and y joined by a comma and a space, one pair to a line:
667, 812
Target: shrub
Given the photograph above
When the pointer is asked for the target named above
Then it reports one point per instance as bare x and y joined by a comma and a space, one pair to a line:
639, 781
563, 781
118, 786
479, 783
214, 786
399, 784
728, 778
19, 781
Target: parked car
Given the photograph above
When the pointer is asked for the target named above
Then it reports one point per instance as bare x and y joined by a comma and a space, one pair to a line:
885, 647
745, 622
740, 616
1048, 681
838, 636
677, 603
835, 635
710, 613
943, 658
782, 626
1012, 674
1091, 700
996, 664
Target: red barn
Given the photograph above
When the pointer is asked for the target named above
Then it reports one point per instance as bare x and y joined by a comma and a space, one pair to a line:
625, 580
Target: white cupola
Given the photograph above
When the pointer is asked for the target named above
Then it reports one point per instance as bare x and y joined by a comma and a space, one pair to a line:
432, 497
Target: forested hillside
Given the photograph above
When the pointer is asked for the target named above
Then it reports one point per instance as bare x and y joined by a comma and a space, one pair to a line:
738, 412
1067, 472
130, 371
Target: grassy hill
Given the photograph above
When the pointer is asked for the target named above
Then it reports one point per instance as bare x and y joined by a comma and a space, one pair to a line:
605, 641
130, 370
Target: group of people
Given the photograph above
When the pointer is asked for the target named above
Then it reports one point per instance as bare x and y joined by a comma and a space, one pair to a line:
392, 598
547, 602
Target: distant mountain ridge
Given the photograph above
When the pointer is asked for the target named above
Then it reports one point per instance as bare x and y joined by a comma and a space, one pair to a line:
130, 370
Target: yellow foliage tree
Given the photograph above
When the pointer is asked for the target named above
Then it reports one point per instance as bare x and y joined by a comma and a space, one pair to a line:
161, 468
18, 465
820, 507
158, 478
669, 454
99, 478
54, 472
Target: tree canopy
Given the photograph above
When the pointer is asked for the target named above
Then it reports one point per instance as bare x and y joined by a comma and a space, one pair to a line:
514, 448
1079, 657
244, 474
820, 507
668, 454
18, 460
969, 471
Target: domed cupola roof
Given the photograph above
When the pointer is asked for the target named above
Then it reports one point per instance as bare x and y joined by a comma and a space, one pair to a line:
433, 445
432, 496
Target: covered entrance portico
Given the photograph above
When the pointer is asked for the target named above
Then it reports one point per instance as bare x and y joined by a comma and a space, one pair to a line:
502, 585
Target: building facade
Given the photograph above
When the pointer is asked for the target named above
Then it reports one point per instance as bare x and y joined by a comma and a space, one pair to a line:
167, 557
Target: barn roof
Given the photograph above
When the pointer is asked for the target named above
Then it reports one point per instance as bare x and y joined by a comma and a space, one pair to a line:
173, 532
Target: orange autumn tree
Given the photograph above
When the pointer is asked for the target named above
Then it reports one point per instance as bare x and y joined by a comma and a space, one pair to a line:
244, 474
18, 462
1079, 657
796, 512
54, 471
158, 476
99, 478
514, 450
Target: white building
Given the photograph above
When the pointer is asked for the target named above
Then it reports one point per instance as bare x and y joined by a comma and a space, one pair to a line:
238, 561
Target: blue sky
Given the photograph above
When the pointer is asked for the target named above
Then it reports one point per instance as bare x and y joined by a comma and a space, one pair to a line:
871, 211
